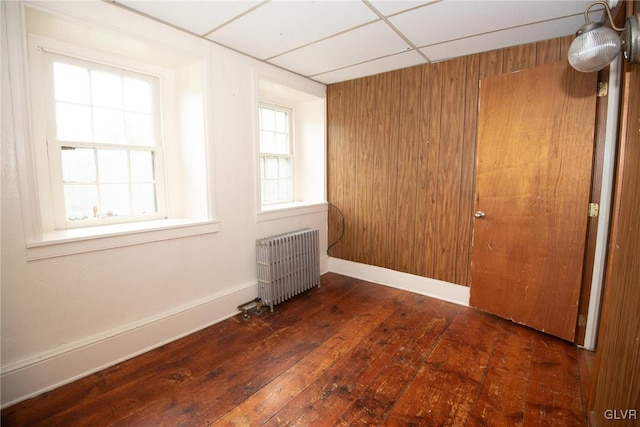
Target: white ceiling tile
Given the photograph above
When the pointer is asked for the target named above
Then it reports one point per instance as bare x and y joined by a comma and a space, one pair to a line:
280, 26
451, 19
502, 39
362, 44
198, 17
390, 7
389, 63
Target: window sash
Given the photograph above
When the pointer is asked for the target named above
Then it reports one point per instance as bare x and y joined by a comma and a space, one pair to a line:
130, 185
276, 151
279, 182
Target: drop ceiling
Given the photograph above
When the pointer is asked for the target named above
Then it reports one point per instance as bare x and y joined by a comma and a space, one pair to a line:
335, 40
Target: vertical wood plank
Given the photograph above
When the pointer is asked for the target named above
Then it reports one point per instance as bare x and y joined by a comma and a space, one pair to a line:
422, 247
518, 58
548, 51
382, 147
366, 139
410, 112
433, 143
449, 169
467, 173
565, 42
336, 106
395, 91
491, 63
349, 161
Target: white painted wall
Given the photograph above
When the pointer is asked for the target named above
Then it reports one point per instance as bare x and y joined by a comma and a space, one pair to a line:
67, 316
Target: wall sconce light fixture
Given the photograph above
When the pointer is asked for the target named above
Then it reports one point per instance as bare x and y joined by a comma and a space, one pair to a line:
595, 45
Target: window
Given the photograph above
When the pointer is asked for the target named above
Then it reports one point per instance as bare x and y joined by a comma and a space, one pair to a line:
105, 153
120, 156
290, 147
276, 155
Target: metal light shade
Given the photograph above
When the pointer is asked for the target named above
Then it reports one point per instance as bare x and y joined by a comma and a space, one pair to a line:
594, 47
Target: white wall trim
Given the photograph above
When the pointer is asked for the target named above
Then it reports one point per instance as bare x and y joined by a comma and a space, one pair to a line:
421, 285
41, 373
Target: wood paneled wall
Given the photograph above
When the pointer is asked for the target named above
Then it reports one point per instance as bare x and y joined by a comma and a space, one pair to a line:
617, 383
401, 161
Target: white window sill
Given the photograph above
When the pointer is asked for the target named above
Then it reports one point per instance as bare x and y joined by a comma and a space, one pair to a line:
287, 210
89, 239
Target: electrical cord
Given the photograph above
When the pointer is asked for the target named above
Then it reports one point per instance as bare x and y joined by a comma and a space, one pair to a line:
342, 227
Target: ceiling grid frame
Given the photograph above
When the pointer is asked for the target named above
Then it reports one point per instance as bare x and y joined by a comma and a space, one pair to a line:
335, 40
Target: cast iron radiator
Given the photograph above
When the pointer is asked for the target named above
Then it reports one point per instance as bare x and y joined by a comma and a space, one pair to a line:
288, 264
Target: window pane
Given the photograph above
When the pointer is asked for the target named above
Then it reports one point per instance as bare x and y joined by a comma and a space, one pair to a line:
270, 193
267, 119
271, 167
106, 89
144, 199
78, 165
113, 166
108, 126
73, 122
81, 201
115, 200
137, 96
267, 142
139, 129
282, 143
284, 168
71, 83
281, 121
285, 190
142, 167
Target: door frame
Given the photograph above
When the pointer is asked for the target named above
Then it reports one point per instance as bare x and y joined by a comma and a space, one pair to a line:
606, 141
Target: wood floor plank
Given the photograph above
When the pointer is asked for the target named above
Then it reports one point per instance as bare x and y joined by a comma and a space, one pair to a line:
267, 401
379, 397
327, 398
348, 353
501, 400
554, 397
444, 390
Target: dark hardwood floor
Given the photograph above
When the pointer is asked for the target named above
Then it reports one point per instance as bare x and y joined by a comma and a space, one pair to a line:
348, 353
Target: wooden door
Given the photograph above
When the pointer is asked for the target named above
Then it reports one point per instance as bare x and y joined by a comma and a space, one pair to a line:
534, 161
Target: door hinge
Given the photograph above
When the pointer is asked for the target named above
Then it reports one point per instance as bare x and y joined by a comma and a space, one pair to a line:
593, 210
603, 89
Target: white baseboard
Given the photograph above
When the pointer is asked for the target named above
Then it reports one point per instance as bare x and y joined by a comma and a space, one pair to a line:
421, 285
42, 373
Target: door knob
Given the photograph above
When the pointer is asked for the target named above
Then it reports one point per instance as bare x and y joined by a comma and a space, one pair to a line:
480, 214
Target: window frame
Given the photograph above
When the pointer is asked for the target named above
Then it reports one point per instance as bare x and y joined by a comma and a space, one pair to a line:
55, 146
290, 111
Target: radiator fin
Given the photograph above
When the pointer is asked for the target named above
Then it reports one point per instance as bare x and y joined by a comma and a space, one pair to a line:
288, 264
